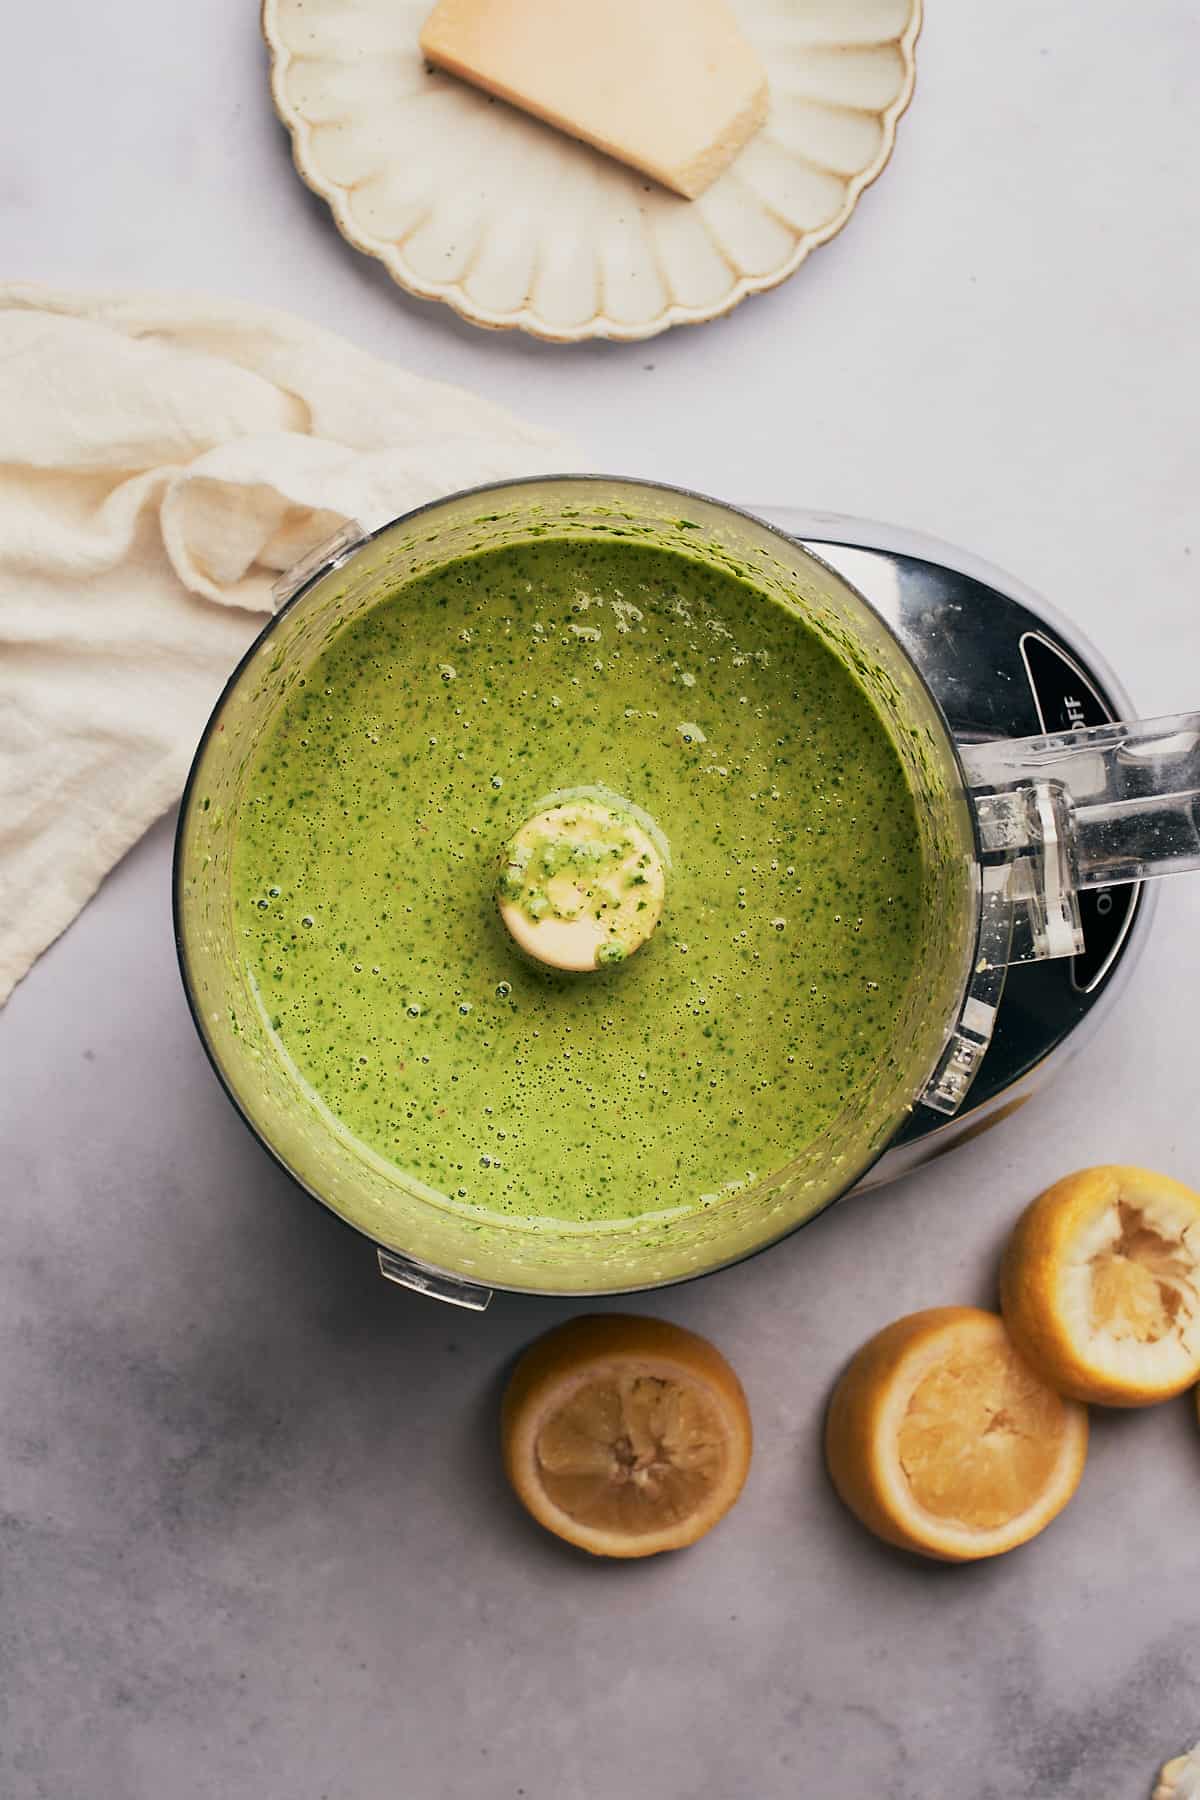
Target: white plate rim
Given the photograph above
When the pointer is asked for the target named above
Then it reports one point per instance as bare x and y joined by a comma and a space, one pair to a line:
600, 325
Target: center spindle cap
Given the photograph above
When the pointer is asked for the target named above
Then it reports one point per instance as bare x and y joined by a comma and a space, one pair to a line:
583, 884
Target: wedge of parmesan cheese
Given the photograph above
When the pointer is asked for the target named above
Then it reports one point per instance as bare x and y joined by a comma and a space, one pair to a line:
669, 86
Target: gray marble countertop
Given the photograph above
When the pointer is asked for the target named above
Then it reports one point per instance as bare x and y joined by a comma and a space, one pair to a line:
253, 1538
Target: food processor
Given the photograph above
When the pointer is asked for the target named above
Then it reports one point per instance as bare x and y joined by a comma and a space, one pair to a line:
1040, 816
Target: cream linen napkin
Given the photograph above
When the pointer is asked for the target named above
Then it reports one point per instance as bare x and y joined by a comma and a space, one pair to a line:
162, 458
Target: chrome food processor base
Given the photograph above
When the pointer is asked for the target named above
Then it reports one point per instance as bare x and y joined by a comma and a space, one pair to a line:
1003, 664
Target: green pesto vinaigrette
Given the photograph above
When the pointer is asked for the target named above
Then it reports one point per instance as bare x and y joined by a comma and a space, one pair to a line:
375, 829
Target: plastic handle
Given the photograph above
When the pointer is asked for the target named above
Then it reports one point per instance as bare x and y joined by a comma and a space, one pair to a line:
1081, 809
1133, 787
1056, 814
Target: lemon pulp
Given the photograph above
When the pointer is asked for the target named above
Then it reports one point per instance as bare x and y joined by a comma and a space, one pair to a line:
980, 1438
1144, 1285
632, 1453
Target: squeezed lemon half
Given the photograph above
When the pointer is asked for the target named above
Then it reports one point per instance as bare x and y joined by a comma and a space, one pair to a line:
941, 1438
625, 1436
1101, 1286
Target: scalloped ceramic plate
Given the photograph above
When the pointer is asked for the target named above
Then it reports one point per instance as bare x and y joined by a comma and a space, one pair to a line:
467, 200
